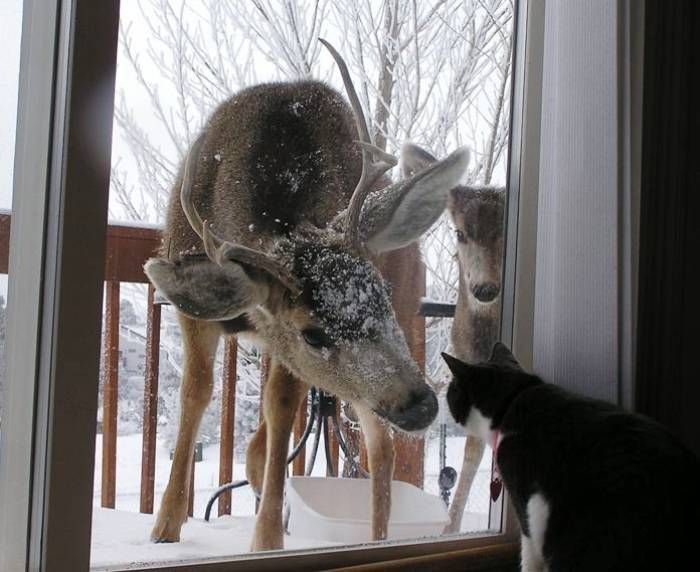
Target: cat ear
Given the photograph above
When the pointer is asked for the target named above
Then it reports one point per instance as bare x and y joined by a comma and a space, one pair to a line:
502, 356
467, 372
457, 367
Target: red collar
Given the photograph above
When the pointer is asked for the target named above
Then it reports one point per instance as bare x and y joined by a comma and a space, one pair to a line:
496, 442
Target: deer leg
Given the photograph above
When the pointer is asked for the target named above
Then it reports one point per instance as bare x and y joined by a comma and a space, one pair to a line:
380, 450
199, 341
255, 459
283, 392
473, 452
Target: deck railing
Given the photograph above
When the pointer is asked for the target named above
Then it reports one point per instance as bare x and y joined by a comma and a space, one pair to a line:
128, 248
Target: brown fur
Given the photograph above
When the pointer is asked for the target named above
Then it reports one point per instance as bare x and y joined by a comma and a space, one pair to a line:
200, 341
276, 165
283, 393
225, 188
477, 214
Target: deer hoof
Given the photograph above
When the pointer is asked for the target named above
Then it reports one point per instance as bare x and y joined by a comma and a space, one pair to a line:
267, 541
167, 528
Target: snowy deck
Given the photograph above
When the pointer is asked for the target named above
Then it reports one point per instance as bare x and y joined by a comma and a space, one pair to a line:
121, 537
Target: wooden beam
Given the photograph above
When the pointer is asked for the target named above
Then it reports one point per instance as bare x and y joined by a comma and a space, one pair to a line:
431, 309
299, 464
228, 421
150, 404
264, 371
502, 558
333, 444
404, 270
127, 250
5, 221
110, 395
190, 495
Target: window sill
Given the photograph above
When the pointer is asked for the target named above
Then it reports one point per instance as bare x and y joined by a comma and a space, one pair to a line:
503, 558
491, 552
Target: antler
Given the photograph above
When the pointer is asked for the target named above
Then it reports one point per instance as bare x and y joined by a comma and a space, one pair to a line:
219, 250
371, 169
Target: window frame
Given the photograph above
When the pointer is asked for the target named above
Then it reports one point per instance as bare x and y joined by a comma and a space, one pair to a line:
46, 476
67, 72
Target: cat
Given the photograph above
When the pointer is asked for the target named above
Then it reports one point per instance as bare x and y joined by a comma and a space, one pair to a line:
595, 488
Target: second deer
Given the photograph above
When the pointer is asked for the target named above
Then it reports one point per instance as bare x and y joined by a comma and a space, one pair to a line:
477, 214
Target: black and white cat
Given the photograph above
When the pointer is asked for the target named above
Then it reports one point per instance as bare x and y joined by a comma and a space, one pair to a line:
595, 488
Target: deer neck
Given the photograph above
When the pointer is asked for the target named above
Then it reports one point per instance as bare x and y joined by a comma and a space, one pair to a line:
475, 327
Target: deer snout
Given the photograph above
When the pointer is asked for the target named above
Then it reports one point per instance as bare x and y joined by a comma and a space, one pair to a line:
485, 292
417, 412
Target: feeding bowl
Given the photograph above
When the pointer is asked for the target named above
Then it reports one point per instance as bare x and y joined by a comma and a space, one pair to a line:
338, 510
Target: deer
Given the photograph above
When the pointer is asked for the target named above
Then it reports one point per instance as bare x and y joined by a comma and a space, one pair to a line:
275, 222
478, 217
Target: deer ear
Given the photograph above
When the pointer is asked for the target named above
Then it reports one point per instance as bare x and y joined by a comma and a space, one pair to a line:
399, 214
413, 159
201, 289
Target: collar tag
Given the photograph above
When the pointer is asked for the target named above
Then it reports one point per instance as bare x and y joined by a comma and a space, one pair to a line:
496, 485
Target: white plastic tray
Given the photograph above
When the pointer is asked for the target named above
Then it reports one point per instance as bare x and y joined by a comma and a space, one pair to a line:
338, 510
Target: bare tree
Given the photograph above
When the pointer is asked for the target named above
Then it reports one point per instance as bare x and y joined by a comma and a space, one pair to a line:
433, 71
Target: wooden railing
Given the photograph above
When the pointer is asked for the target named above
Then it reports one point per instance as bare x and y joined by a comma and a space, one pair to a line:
128, 248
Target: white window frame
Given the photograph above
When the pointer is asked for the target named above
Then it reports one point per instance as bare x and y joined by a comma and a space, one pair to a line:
59, 223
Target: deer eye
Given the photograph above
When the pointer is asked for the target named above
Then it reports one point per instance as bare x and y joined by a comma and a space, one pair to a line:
316, 338
461, 237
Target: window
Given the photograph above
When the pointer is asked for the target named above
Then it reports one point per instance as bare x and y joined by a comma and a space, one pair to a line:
11, 13
11, 16
166, 86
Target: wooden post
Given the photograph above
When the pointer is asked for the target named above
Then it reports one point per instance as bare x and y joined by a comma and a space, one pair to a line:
355, 446
228, 421
264, 371
364, 457
299, 464
110, 395
333, 444
406, 274
190, 496
150, 404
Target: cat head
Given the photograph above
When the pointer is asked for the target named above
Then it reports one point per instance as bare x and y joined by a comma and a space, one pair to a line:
480, 394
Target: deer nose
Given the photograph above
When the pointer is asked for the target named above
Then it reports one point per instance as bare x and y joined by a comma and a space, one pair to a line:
417, 413
485, 292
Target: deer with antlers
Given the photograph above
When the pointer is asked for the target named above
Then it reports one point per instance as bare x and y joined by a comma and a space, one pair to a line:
271, 232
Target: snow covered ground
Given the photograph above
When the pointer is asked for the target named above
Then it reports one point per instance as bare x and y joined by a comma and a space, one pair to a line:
120, 539
121, 536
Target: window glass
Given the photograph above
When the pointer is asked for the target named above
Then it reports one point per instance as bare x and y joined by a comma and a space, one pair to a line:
434, 73
11, 16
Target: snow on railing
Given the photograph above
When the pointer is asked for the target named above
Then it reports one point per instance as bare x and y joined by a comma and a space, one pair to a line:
128, 247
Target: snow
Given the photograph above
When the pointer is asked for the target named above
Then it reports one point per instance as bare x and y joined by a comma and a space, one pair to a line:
121, 537
206, 477
349, 297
